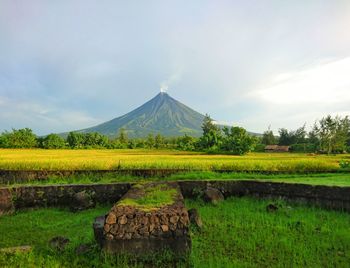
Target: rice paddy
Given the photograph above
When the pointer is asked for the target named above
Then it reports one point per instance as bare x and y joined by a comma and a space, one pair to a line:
37, 159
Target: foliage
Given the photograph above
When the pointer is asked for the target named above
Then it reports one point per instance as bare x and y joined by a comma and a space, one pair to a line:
123, 138
236, 140
292, 137
333, 134
268, 138
75, 140
185, 143
53, 141
21, 138
211, 137
345, 164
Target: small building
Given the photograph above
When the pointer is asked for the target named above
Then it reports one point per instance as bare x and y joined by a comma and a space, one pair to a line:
276, 148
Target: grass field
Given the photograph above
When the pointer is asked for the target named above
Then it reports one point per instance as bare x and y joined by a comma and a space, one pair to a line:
36, 159
236, 233
329, 179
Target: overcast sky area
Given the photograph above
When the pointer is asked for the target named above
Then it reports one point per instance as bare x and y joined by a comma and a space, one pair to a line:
67, 65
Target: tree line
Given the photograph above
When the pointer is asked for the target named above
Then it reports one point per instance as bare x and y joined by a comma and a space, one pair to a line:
328, 135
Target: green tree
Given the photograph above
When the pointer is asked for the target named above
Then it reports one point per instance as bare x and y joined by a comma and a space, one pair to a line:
292, 137
95, 140
237, 141
150, 141
53, 141
75, 140
158, 141
268, 137
333, 134
21, 138
186, 143
211, 137
123, 137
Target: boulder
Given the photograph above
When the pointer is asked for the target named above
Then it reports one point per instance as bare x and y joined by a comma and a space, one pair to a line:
59, 243
212, 195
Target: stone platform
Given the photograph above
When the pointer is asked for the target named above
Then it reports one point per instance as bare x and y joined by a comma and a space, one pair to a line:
149, 218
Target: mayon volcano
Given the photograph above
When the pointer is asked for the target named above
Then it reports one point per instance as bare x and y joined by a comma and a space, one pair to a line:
162, 114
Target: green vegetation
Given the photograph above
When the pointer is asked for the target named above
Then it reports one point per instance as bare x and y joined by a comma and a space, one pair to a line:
240, 233
151, 197
330, 179
240, 230
329, 135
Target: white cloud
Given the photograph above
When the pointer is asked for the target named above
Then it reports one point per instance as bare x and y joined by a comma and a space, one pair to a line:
326, 82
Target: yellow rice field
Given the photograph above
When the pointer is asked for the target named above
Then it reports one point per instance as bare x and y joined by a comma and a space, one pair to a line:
39, 159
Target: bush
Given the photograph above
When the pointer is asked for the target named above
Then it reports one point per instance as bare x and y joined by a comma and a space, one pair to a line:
344, 164
53, 141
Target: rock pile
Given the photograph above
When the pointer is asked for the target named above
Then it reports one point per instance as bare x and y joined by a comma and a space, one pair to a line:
127, 222
136, 230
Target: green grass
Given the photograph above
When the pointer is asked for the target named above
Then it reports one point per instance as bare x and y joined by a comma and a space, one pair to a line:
37, 159
237, 233
330, 179
240, 233
153, 197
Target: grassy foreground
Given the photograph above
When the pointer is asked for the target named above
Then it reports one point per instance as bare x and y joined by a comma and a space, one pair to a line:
236, 233
38, 159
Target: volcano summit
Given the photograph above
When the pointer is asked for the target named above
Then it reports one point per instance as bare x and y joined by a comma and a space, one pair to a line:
162, 114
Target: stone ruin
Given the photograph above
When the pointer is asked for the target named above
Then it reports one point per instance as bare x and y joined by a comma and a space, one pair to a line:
139, 230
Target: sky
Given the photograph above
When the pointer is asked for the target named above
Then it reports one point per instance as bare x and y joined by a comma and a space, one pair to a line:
67, 65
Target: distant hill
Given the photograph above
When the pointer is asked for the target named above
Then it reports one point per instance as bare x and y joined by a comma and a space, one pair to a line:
162, 114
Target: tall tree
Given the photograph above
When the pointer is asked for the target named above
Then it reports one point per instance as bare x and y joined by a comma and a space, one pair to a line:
268, 137
237, 141
333, 133
211, 134
123, 137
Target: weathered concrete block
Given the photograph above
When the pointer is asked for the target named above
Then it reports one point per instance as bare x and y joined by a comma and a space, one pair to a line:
148, 219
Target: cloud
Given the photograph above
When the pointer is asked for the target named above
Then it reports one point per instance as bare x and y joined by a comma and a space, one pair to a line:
327, 82
43, 118
67, 66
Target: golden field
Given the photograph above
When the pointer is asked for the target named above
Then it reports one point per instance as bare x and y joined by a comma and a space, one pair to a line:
39, 159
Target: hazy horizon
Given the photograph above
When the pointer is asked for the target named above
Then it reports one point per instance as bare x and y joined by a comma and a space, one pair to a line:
71, 65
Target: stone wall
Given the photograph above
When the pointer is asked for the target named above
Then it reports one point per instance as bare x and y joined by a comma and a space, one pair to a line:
58, 195
331, 197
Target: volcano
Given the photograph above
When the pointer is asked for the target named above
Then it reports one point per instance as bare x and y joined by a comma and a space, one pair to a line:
162, 114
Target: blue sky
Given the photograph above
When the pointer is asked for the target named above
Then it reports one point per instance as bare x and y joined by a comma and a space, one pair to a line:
68, 65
